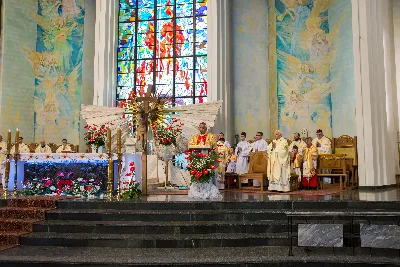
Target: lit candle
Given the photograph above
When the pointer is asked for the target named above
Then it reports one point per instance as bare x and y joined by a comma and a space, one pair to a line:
9, 141
17, 141
119, 140
109, 140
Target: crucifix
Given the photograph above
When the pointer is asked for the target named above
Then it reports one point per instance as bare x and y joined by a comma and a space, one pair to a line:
143, 122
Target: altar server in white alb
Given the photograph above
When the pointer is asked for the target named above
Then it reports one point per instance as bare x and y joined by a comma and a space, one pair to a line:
258, 146
242, 152
22, 147
278, 164
43, 148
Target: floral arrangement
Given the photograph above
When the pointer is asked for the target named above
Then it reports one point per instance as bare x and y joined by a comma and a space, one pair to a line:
131, 188
64, 186
201, 166
96, 135
167, 135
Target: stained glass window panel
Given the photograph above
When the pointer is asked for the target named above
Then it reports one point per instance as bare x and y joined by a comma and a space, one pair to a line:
123, 92
125, 66
126, 79
177, 42
146, 13
183, 101
183, 90
127, 15
199, 100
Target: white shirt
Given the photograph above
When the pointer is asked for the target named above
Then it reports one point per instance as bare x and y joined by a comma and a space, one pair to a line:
260, 145
243, 149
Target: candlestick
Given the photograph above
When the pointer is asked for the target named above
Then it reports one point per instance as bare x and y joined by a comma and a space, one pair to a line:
109, 140
9, 141
17, 142
119, 140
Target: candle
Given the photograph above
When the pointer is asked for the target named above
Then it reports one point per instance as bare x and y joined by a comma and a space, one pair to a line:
9, 141
109, 140
119, 140
17, 141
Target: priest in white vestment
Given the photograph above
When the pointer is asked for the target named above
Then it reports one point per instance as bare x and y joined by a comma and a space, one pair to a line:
279, 164
43, 148
64, 147
22, 147
242, 152
324, 146
297, 141
258, 146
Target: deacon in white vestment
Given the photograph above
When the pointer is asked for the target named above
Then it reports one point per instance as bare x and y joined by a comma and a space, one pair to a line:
43, 148
64, 147
279, 164
324, 146
259, 145
22, 147
297, 141
242, 152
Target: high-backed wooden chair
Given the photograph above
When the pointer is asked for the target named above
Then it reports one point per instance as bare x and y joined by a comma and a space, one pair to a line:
257, 169
32, 147
53, 147
348, 145
334, 162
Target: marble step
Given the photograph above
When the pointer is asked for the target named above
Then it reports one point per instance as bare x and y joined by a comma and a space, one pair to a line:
155, 240
176, 228
217, 205
274, 256
165, 215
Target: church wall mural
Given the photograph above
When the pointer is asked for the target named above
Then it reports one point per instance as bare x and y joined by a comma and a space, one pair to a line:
57, 65
42, 72
303, 50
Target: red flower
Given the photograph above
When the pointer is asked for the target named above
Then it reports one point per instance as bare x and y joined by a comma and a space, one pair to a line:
205, 171
132, 169
128, 174
88, 188
193, 172
212, 166
26, 182
132, 164
198, 175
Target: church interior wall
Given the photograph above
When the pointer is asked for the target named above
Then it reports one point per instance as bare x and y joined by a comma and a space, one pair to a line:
18, 80
250, 66
47, 68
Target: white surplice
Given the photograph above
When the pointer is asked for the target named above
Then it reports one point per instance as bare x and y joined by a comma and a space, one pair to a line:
242, 152
279, 166
300, 145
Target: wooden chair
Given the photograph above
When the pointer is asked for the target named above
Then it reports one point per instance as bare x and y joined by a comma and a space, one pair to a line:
257, 169
32, 147
53, 147
348, 145
332, 162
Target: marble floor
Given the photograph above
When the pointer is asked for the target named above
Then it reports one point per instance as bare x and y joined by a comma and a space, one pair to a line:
388, 194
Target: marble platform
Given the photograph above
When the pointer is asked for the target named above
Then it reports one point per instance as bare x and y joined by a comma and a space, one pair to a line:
380, 236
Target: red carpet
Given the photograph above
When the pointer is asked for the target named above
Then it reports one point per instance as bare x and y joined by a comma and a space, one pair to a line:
19, 215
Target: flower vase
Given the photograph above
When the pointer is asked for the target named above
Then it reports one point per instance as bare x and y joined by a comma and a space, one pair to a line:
167, 153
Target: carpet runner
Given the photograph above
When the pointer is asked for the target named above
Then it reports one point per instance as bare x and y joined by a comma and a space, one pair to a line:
19, 215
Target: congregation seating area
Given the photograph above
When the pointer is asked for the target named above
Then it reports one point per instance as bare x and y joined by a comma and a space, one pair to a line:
341, 166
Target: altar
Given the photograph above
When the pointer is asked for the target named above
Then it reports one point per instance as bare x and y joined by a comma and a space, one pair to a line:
72, 167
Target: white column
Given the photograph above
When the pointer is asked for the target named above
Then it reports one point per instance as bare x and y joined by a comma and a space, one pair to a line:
105, 61
376, 161
219, 73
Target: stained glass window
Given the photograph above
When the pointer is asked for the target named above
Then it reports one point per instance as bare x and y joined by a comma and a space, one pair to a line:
163, 43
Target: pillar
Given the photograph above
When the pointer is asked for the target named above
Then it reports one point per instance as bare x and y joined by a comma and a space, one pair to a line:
219, 72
